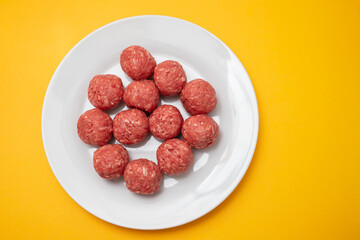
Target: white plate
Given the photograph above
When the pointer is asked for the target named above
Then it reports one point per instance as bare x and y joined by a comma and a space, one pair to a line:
217, 170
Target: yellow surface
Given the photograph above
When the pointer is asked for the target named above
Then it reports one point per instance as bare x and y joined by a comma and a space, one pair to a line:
303, 58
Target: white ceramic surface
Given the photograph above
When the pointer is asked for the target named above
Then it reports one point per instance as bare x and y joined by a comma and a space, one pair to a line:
217, 170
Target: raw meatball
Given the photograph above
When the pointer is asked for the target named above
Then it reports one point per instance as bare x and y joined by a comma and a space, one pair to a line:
174, 157
137, 62
142, 94
200, 131
142, 176
131, 126
110, 161
170, 78
105, 91
165, 122
94, 127
198, 97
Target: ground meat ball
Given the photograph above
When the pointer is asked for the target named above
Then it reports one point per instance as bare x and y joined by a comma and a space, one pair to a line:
174, 156
94, 127
198, 97
105, 91
110, 161
130, 126
142, 94
170, 78
165, 122
142, 176
200, 131
137, 62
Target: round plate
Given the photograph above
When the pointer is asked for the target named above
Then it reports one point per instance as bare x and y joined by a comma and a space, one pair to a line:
217, 170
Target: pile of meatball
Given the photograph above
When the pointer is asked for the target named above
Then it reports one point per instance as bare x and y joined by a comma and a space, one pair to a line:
165, 122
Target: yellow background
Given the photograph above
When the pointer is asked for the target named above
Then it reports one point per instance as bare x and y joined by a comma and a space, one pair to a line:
303, 58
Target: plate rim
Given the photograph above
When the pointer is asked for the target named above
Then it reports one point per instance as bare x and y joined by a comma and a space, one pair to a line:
248, 158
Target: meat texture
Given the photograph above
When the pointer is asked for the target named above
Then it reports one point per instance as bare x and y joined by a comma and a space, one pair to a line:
165, 122
105, 91
94, 127
174, 157
200, 131
198, 97
142, 95
130, 126
137, 62
110, 161
170, 78
142, 176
